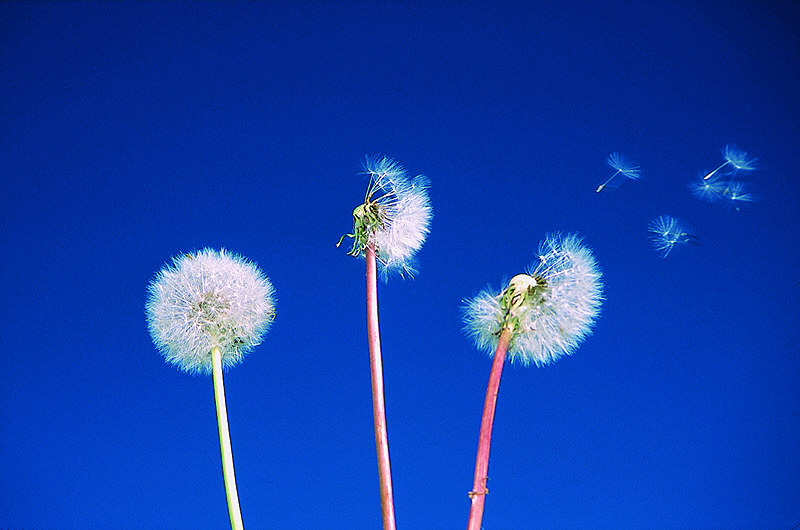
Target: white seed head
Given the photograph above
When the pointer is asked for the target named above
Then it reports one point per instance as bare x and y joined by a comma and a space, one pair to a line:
550, 310
209, 299
394, 218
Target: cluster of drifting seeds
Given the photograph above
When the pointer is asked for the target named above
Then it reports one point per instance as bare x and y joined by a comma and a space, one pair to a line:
722, 186
719, 185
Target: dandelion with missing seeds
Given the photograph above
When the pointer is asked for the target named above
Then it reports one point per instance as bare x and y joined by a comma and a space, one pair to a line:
540, 316
394, 219
625, 170
666, 232
389, 227
206, 312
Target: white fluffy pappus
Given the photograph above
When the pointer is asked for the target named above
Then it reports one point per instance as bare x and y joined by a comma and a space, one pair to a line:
209, 299
735, 158
625, 169
708, 189
666, 232
394, 218
563, 300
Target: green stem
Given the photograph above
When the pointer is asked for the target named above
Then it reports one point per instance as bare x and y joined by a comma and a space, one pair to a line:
225, 443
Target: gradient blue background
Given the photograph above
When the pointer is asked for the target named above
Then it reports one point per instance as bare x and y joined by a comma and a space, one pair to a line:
132, 132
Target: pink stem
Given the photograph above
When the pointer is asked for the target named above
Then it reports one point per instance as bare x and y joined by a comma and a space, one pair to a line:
378, 403
479, 489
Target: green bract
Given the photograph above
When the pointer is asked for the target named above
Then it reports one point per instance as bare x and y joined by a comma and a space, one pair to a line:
523, 291
368, 218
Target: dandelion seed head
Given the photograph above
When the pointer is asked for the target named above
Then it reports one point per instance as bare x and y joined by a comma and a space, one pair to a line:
394, 218
208, 299
550, 309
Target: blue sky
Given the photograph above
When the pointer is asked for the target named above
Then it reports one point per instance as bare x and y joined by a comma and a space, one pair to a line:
132, 132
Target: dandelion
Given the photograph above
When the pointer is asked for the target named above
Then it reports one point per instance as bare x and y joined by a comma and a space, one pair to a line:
625, 170
394, 218
540, 316
389, 227
736, 158
205, 312
666, 232
209, 300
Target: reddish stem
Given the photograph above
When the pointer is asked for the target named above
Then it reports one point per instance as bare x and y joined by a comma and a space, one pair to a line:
378, 403
479, 489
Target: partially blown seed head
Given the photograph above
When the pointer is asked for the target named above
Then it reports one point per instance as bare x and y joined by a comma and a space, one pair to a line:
394, 218
549, 310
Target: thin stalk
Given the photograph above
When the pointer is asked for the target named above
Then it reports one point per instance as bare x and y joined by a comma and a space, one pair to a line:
479, 489
715, 171
378, 402
603, 185
225, 443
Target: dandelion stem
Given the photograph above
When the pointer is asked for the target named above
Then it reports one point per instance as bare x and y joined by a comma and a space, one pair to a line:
479, 489
225, 443
378, 403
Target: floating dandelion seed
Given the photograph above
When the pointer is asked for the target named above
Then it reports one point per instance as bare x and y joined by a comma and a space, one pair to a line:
736, 158
714, 187
710, 190
204, 312
394, 218
667, 232
735, 192
625, 170
540, 316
